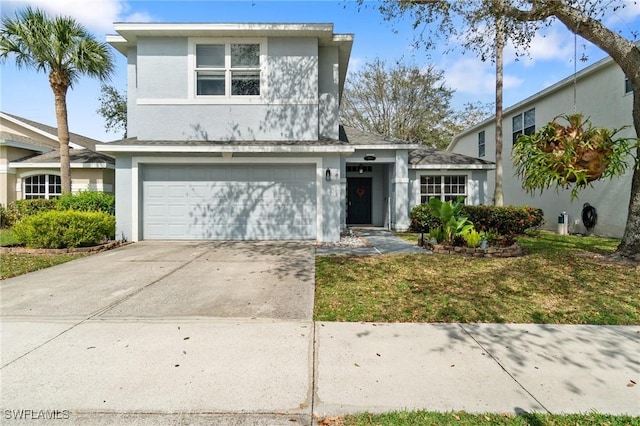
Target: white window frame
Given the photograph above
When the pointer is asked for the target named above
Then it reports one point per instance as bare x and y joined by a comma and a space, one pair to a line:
482, 144
227, 42
46, 194
443, 195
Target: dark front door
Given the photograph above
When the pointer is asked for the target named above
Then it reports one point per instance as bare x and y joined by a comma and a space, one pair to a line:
359, 201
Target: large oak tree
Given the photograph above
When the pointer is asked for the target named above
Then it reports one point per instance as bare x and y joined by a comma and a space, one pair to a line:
521, 19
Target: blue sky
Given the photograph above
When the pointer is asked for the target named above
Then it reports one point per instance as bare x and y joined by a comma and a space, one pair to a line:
27, 93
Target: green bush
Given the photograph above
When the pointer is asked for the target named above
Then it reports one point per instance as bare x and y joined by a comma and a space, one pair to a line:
16, 210
422, 220
88, 201
65, 229
511, 220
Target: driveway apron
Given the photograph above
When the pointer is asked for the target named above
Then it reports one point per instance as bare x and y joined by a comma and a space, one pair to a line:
140, 333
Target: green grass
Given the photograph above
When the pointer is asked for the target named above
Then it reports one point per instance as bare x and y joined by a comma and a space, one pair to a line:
559, 282
7, 238
12, 265
462, 418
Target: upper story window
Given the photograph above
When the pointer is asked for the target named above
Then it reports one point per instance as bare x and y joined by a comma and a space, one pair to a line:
41, 186
627, 86
227, 68
524, 123
481, 145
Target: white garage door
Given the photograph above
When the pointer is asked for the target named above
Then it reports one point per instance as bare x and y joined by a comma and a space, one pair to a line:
229, 202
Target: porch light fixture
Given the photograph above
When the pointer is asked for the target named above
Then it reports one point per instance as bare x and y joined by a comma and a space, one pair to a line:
361, 169
327, 175
369, 157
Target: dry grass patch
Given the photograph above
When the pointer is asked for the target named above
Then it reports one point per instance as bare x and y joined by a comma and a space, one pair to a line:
554, 283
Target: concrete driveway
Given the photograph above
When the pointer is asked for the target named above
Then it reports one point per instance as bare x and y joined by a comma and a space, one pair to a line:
158, 328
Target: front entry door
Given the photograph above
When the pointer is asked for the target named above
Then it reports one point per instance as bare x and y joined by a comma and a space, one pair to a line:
359, 201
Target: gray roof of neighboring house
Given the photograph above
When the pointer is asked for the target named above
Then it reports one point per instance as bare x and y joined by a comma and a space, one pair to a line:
76, 156
433, 157
12, 137
73, 137
359, 137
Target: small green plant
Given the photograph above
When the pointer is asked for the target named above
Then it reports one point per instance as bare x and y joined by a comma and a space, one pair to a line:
473, 238
437, 234
448, 212
68, 229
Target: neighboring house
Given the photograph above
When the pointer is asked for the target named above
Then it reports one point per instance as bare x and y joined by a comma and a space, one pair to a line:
601, 93
30, 161
234, 134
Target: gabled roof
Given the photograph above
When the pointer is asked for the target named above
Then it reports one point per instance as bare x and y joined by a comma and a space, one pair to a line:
370, 140
431, 158
24, 142
79, 158
75, 140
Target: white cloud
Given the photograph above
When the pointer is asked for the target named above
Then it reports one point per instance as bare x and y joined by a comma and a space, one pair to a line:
471, 76
97, 16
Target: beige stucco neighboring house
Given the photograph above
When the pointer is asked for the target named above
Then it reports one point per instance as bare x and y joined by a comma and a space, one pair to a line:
600, 92
30, 161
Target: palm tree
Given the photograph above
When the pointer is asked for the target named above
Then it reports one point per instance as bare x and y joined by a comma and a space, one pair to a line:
65, 50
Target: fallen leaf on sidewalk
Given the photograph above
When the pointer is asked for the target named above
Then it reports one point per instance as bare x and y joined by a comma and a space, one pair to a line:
356, 364
186, 338
631, 384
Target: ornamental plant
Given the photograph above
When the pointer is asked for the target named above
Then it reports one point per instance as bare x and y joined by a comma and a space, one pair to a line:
570, 155
453, 223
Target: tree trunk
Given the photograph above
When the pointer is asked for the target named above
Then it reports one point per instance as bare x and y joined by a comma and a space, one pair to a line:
630, 244
498, 199
59, 86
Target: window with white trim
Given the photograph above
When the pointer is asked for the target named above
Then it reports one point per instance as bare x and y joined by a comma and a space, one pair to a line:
524, 123
481, 144
446, 187
41, 186
227, 69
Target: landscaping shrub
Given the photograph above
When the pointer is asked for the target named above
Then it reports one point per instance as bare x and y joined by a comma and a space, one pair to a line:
88, 201
65, 229
511, 220
16, 210
4, 220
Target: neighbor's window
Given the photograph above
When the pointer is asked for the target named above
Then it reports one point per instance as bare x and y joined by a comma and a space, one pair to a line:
524, 124
41, 186
481, 150
227, 69
446, 188
627, 86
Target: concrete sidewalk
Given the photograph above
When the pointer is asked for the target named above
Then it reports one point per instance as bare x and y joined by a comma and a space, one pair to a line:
223, 371
221, 333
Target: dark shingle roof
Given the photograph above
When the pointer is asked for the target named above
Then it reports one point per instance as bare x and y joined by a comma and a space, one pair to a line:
76, 156
431, 156
73, 137
45, 145
359, 137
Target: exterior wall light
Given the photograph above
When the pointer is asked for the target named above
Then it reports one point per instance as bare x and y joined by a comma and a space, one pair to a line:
327, 175
361, 169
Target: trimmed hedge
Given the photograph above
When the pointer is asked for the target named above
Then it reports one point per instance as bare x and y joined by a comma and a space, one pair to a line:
65, 229
16, 210
511, 220
86, 201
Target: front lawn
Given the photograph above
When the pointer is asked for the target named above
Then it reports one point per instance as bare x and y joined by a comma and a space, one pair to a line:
12, 264
563, 280
462, 418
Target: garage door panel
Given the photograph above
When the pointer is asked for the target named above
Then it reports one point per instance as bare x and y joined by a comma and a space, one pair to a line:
229, 202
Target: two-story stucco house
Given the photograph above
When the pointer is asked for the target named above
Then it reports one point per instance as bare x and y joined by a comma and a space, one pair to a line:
601, 93
234, 133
